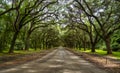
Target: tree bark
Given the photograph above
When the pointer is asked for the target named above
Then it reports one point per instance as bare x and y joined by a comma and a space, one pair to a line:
27, 42
0, 50
11, 50
93, 47
107, 42
84, 45
35, 45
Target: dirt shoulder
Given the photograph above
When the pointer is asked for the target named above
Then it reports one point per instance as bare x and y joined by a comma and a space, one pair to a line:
14, 60
105, 63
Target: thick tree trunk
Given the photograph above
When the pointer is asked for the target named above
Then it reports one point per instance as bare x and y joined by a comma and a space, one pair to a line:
107, 42
84, 45
93, 48
27, 42
11, 50
1, 45
44, 44
1, 50
35, 45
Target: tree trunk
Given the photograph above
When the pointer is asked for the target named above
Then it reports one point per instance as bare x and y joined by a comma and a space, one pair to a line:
107, 42
1, 49
11, 50
35, 45
93, 47
27, 42
84, 45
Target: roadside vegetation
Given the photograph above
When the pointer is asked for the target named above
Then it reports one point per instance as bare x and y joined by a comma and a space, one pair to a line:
101, 52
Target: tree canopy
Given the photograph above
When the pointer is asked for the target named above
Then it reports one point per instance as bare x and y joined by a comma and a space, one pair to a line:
44, 24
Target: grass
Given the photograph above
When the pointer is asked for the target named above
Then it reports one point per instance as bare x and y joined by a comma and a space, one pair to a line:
101, 52
27, 52
116, 54
17, 52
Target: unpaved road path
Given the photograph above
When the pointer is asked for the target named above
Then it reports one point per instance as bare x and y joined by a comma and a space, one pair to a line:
58, 61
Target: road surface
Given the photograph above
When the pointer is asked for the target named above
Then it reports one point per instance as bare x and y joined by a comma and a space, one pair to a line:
58, 61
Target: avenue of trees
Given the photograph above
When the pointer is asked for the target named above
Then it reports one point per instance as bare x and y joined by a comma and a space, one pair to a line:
95, 23
22, 23
44, 24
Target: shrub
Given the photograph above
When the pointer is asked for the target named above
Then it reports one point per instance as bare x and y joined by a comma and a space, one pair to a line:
19, 45
115, 47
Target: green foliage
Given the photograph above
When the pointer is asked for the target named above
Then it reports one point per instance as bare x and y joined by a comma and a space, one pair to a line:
116, 41
46, 24
101, 52
70, 39
19, 45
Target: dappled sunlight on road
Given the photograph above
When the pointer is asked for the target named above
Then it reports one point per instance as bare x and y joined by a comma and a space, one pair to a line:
58, 61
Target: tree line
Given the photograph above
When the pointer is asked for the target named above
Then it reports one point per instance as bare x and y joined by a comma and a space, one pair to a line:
41, 24
94, 23
26, 23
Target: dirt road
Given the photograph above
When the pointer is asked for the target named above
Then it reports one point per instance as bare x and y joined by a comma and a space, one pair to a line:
58, 61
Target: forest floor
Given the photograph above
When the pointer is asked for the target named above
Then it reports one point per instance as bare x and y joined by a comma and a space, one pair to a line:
57, 61
108, 63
